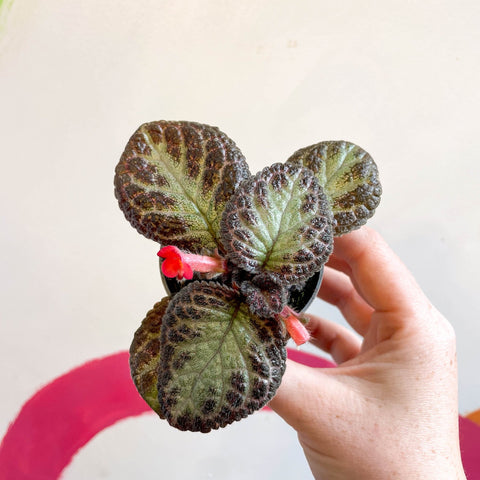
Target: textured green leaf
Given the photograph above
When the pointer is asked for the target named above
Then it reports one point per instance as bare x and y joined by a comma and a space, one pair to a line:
173, 180
279, 222
349, 177
219, 363
264, 295
145, 355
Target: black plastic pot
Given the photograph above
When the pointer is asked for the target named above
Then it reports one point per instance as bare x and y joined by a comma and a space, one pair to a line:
299, 301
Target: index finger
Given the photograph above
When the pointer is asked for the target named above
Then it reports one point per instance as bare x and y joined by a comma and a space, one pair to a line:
379, 275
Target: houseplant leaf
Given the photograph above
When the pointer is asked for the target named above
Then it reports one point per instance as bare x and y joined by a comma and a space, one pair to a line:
349, 177
279, 222
218, 362
264, 295
173, 180
145, 355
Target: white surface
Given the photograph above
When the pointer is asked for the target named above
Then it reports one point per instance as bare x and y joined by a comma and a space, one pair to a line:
259, 447
399, 78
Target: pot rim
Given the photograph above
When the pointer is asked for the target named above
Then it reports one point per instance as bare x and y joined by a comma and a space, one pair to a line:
313, 283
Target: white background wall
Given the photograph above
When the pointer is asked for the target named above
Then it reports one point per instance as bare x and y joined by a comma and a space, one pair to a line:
400, 78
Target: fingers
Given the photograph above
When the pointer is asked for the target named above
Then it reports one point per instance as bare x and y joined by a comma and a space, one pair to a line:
378, 274
338, 341
337, 289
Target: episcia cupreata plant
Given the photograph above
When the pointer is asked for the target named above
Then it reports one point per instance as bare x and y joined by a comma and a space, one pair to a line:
239, 248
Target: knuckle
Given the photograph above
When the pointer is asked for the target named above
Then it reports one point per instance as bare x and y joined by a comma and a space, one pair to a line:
444, 333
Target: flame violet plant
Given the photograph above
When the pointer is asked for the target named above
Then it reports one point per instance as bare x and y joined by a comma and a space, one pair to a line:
237, 250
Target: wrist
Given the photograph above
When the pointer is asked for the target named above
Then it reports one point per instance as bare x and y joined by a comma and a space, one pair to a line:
400, 467
441, 470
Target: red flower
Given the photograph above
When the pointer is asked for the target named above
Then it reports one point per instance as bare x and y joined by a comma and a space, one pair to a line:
175, 263
182, 265
297, 330
295, 326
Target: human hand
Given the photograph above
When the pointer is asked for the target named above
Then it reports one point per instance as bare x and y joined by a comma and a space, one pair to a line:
389, 410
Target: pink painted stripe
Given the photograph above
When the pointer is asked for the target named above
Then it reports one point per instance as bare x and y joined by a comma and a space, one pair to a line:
470, 447
308, 359
65, 414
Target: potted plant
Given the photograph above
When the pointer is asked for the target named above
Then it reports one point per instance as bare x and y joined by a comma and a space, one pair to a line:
237, 250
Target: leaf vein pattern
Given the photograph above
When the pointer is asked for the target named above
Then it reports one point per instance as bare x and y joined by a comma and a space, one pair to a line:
279, 231
220, 344
178, 179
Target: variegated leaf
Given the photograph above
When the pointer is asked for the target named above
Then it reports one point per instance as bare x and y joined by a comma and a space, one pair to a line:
145, 355
218, 362
265, 296
279, 222
173, 180
349, 177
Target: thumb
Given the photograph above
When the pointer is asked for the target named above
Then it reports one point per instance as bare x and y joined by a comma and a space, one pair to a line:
303, 393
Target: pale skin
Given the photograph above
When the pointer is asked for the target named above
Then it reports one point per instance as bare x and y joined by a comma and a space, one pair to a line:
389, 410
